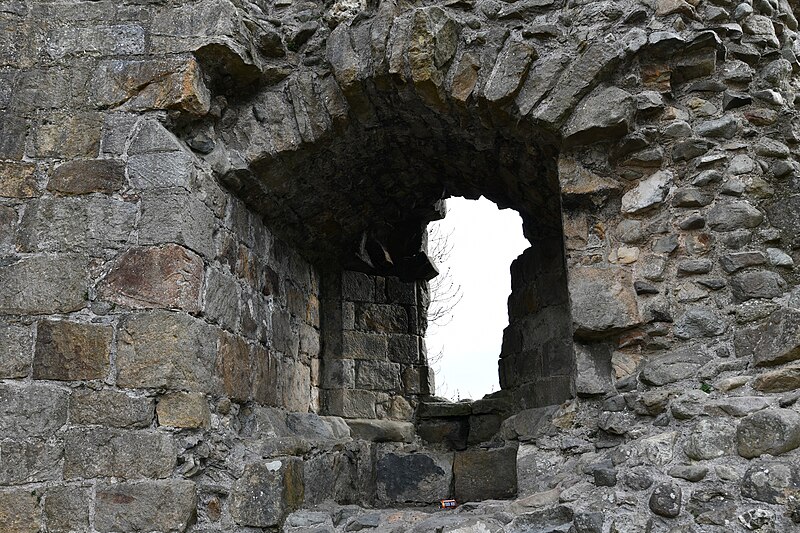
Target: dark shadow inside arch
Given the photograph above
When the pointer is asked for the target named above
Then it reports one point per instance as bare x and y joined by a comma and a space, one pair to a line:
357, 202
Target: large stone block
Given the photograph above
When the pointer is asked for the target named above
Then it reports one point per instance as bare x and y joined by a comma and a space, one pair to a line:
607, 113
351, 403
775, 341
381, 318
168, 506
603, 300
30, 461
222, 299
332, 476
177, 216
168, 276
377, 375
359, 345
160, 170
678, 365
86, 176
127, 454
146, 85
18, 180
110, 408
16, 350
44, 285
69, 351
19, 512
159, 349
771, 431
485, 474
413, 477
67, 509
267, 492
31, 410
66, 136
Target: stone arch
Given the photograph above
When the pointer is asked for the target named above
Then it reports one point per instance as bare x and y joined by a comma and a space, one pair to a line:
451, 119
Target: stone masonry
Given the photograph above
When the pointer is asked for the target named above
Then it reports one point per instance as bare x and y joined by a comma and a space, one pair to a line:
213, 269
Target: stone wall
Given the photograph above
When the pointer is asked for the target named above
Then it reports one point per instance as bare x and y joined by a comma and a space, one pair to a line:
212, 222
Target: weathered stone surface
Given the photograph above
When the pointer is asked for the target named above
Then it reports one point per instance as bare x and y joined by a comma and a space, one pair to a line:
127, 454
183, 410
781, 380
31, 410
593, 369
176, 216
159, 349
43, 285
731, 216
67, 509
771, 431
710, 439
648, 193
18, 180
607, 113
233, 364
69, 351
19, 512
510, 70
162, 506
666, 499
110, 408
85, 176
700, 322
144, 85
757, 284
413, 477
603, 300
267, 492
485, 474
381, 430
771, 482
63, 135
775, 341
30, 461
676, 366
168, 276
16, 350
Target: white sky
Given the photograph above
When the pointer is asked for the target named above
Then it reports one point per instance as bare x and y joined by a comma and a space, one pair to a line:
485, 240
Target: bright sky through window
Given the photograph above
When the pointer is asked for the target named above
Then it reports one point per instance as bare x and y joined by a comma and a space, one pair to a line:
484, 240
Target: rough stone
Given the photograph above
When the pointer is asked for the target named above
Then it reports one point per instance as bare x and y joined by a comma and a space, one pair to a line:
266, 492
771, 482
19, 512
381, 430
43, 285
67, 509
159, 349
710, 439
648, 193
603, 300
18, 180
168, 276
734, 215
485, 474
757, 284
781, 380
413, 477
127, 454
162, 506
771, 431
774, 341
30, 461
666, 500
16, 350
88, 176
605, 114
69, 351
676, 366
110, 408
183, 410
31, 411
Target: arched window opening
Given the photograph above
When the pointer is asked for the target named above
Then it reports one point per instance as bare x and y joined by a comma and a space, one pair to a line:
473, 247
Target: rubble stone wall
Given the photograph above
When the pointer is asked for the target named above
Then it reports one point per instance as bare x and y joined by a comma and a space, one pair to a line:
212, 262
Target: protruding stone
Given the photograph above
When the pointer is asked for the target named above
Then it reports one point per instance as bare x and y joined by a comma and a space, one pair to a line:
771, 431
676, 366
771, 481
648, 193
266, 492
775, 341
381, 430
603, 300
605, 114
781, 380
666, 500
508, 73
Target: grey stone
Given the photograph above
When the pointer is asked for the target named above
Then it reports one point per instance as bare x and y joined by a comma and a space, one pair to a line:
691, 267
757, 284
593, 369
25, 461
485, 474
603, 300
127, 454
690, 197
604, 114
67, 509
44, 285
648, 193
177, 216
782, 380
741, 405
681, 364
21, 512
734, 215
161, 506
779, 258
110, 408
413, 477
693, 473
221, 301
739, 260
554, 519
666, 500
725, 127
16, 350
510, 70
31, 410
381, 430
698, 322
771, 481
267, 492
771, 431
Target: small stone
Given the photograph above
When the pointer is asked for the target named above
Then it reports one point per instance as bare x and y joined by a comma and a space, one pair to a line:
771, 431
725, 127
710, 439
183, 410
739, 260
740, 406
756, 518
741, 164
706, 177
693, 473
692, 222
771, 482
666, 500
690, 197
648, 193
692, 267
779, 258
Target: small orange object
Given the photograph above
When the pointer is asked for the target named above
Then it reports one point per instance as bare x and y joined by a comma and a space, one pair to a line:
447, 504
